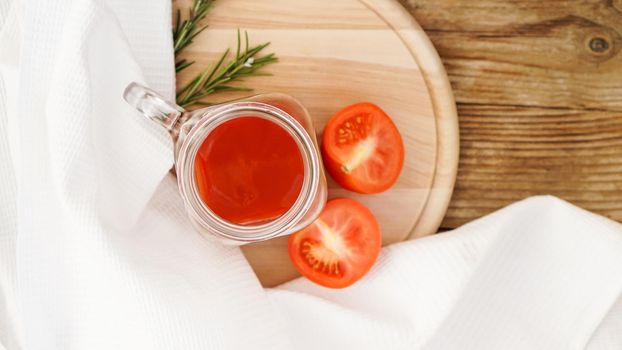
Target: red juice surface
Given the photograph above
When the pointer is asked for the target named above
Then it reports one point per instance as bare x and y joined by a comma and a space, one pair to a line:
249, 170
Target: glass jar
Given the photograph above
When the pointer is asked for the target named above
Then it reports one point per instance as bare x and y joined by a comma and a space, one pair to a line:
190, 129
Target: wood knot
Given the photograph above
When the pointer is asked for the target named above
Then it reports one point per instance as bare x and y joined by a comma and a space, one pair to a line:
601, 44
598, 45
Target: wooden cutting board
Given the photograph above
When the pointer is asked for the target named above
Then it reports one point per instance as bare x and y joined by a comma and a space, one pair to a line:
336, 52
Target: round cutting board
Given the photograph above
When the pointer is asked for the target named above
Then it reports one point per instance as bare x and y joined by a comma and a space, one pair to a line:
333, 53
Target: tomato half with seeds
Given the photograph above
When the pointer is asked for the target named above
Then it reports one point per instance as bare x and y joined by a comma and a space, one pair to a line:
362, 149
339, 247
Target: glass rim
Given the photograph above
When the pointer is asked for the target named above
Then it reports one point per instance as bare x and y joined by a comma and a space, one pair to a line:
188, 187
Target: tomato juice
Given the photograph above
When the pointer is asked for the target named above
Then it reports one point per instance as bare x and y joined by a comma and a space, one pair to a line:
249, 170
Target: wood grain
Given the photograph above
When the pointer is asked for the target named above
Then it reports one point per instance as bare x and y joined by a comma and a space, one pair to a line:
538, 86
334, 53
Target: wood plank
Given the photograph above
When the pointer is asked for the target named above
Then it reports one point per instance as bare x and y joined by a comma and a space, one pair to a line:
538, 86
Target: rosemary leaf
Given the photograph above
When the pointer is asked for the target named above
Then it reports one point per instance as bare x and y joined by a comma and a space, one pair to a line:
237, 52
179, 65
177, 22
223, 88
203, 103
220, 61
246, 40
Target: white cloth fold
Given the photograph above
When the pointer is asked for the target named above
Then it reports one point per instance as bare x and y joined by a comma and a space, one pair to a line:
96, 251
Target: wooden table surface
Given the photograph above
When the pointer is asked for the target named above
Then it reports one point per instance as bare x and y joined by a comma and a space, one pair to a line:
538, 86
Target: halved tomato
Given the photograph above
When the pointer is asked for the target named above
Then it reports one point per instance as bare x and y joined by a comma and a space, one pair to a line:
339, 247
362, 149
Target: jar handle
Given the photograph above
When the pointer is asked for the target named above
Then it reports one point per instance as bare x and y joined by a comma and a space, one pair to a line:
152, 105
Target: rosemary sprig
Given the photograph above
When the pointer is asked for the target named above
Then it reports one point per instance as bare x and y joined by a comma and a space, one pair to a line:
216, 77
185, 31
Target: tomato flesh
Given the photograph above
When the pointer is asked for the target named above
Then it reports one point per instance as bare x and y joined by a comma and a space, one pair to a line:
362, 149
339, 247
